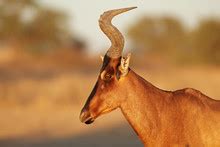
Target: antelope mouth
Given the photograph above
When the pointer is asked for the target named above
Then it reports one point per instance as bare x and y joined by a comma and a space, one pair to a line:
89, 121
86, 118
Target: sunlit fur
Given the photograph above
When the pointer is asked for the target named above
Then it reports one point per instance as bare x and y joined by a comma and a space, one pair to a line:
184, 117
160, 118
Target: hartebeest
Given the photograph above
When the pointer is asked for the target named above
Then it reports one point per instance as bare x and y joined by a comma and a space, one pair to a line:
184, 117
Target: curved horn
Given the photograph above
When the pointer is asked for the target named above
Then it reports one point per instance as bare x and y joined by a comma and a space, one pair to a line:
115, 36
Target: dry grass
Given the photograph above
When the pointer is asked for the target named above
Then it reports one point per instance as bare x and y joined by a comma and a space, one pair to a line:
49, 107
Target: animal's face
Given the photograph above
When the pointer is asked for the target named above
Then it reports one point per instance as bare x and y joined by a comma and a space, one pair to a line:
107, 93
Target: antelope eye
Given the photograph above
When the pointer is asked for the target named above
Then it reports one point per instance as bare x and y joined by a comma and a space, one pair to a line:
108, 76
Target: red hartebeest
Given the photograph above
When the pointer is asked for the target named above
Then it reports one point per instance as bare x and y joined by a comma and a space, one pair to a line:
184, 117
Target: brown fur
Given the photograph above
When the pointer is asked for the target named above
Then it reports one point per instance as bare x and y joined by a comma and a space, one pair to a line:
184, 117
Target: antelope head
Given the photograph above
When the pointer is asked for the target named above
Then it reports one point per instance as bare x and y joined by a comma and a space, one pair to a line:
108, 93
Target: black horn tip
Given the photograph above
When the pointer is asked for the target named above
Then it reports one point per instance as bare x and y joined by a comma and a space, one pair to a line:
133, 7
128, 8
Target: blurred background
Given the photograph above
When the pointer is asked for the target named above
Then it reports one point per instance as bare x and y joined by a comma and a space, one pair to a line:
49, 62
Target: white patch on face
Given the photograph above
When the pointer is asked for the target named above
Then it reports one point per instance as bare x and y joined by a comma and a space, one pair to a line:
103, 74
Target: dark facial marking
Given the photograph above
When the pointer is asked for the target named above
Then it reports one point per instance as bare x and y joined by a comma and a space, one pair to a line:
105, 62
92, 94
111, 67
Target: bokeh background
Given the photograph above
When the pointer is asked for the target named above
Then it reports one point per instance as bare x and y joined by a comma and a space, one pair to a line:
49, 62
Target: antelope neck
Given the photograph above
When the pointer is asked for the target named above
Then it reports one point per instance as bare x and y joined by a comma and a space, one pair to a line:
143, 104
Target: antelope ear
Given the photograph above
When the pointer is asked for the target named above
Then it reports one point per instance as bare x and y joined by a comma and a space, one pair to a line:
124, 66
102, 58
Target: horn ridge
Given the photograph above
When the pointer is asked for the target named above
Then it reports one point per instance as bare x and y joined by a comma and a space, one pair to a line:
114, 35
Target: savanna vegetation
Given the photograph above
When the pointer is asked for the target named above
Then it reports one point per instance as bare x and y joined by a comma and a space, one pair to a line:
167, 37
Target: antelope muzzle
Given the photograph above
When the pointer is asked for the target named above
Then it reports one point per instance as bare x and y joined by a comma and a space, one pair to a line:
85, 117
